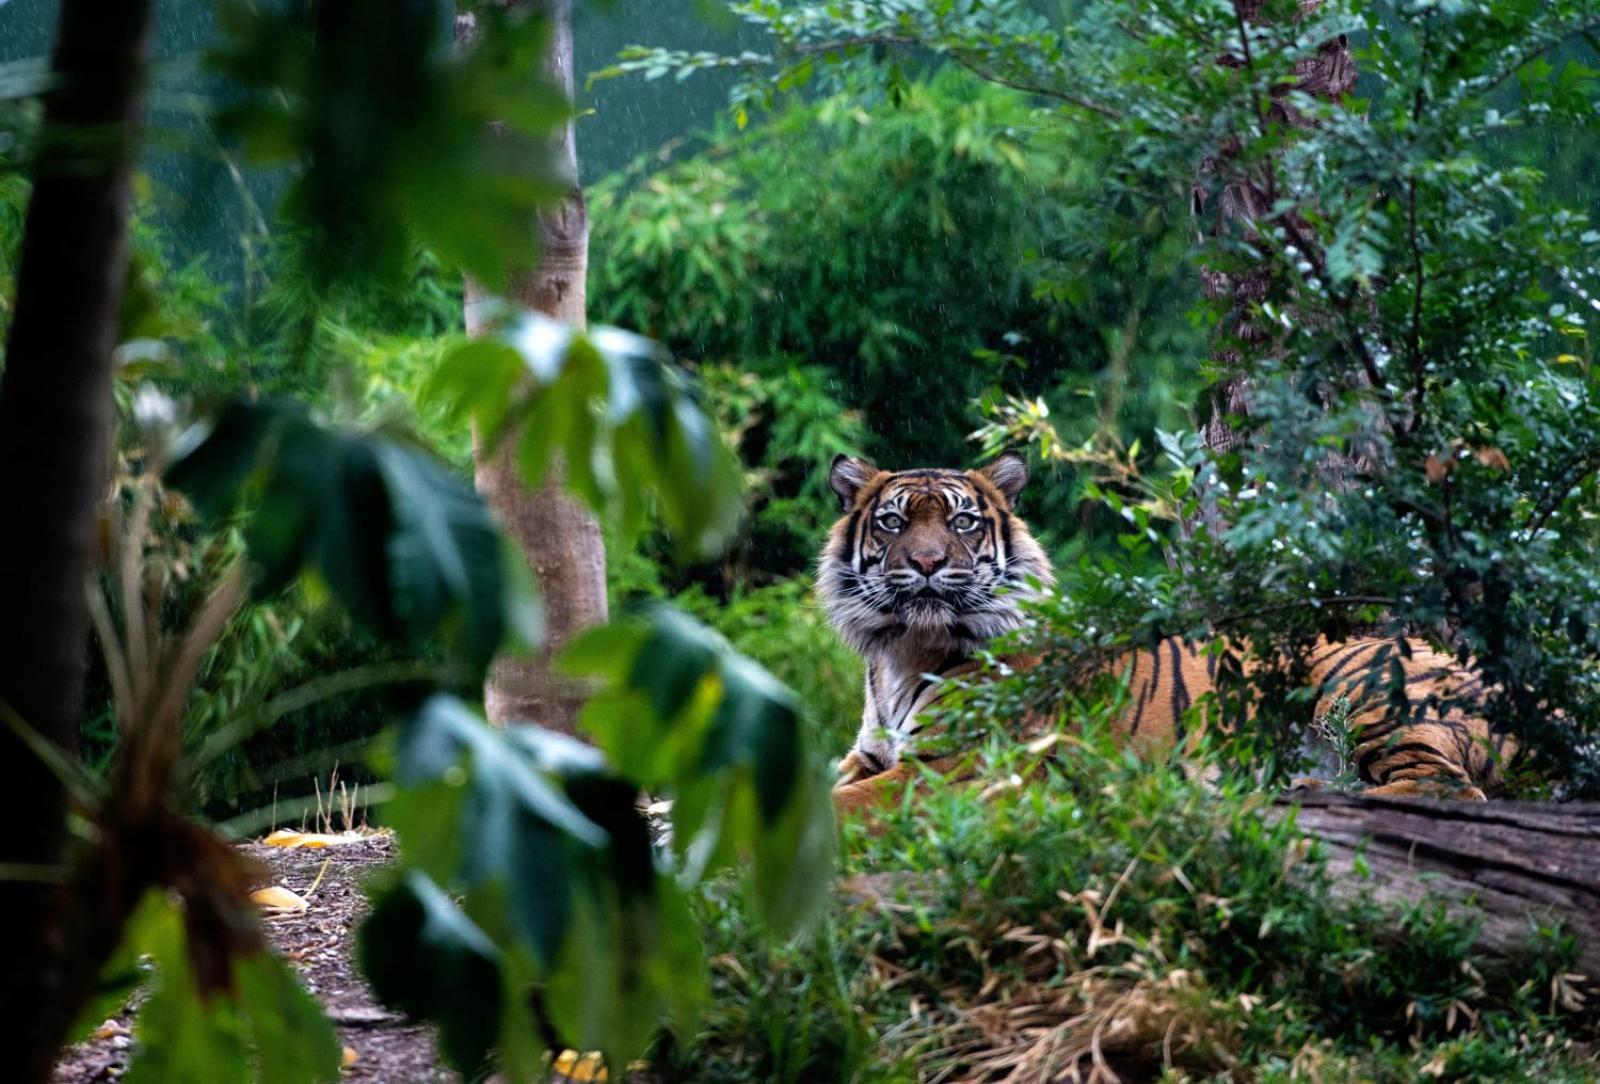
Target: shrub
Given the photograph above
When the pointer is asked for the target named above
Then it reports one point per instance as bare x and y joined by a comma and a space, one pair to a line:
1117, 913
906, 255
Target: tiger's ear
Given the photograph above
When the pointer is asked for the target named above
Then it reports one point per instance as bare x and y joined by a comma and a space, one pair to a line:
1008, 474
846, 477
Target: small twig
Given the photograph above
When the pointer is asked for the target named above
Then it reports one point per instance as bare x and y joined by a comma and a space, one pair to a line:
1571, 475
1033, 88
1239, 616
1250, 66
321, 873
1419, 275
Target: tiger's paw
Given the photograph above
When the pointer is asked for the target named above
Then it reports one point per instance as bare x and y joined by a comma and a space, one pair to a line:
852, 769
1306, 782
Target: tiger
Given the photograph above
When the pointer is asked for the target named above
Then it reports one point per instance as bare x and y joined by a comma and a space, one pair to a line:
926, 567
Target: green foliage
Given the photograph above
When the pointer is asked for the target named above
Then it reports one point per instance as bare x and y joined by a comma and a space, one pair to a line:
402, 544
917, 251
424, 956
261, 1029
626, 425
782, 424
536, 835
783, 628
1122, 910
537, 867
1425, 292
392, 129
682, 712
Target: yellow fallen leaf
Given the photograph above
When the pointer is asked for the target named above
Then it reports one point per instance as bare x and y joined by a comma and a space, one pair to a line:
579, 1068
1493, 458
288, 837
109, 1029
278, 898
348, 1057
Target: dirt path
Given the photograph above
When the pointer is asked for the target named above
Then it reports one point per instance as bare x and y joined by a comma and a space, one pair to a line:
320, 943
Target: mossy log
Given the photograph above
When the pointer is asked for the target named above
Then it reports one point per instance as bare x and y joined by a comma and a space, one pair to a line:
1516, 865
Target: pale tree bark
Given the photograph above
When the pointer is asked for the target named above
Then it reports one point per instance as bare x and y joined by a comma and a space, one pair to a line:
55, 430
1509, 866
1242, 202
560, 538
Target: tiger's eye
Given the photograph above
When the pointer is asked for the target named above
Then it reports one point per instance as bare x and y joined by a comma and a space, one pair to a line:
891, 522
966, 521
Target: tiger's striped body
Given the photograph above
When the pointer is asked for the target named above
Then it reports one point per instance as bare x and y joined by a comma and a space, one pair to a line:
927, 566
1436, 746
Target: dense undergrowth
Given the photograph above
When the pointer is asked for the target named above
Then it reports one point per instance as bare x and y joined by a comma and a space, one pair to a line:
1118, 917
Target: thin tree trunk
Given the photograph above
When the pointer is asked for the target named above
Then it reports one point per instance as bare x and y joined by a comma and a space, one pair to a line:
55, 425
559, 536
1242, 202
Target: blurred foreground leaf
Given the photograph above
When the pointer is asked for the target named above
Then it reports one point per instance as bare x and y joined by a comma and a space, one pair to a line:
687, 716
389, 128
424, 956
537, 844
265, 1029
629, 427
408, 548
534, 868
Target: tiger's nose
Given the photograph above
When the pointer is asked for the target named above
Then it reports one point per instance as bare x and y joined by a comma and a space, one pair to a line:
930, 561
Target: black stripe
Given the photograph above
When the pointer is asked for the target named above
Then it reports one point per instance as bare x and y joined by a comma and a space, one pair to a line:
1151, 686
1370, 646
850, 540
1180, 691
1138, 710
1431, 675
1365, 762
1332, 650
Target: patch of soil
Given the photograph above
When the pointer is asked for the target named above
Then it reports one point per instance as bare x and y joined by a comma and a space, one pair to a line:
320, 944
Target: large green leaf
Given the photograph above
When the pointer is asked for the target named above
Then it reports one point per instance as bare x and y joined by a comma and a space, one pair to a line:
407, 547
685, 715
552, 863
505, 823
423, 955
265, 1029
629, 427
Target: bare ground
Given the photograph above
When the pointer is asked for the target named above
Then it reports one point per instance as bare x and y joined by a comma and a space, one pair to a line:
320, 943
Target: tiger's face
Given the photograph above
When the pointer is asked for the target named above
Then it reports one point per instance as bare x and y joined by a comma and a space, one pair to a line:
928, 560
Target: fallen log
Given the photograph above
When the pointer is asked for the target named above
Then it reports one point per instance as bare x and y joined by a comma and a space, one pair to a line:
1512, 865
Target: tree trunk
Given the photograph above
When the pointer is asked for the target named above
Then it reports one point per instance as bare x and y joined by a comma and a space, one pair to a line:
1239, 203
1511, 864
55, 425
559, 536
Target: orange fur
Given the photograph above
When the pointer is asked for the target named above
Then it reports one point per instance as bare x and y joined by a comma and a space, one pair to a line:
880, 578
